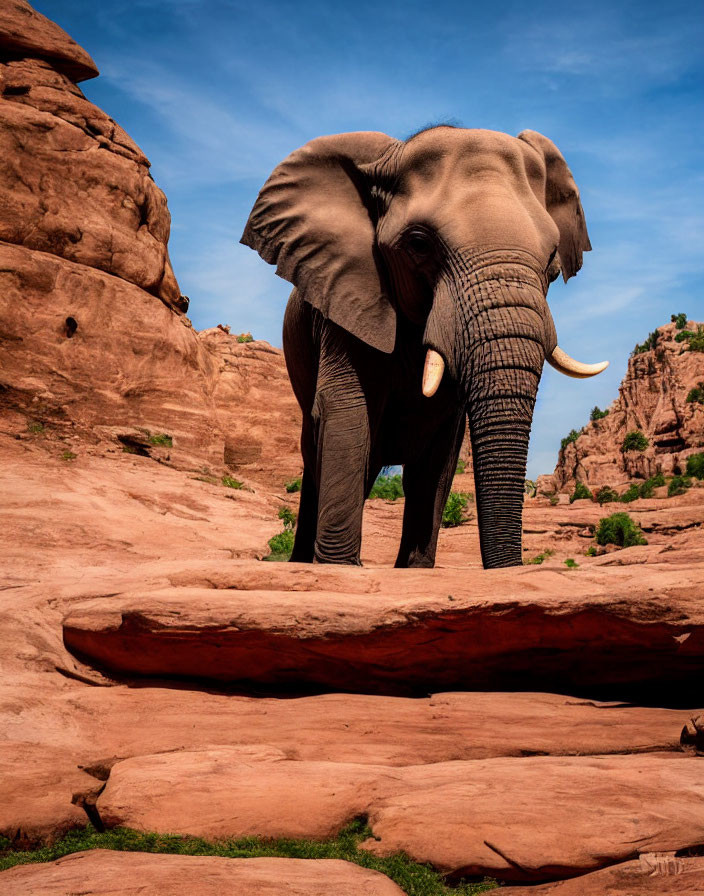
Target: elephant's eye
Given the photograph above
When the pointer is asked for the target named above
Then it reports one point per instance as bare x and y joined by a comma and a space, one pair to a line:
418, 243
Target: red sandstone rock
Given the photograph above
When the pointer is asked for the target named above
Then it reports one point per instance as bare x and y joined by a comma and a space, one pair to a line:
134, 874
652, 399
652, 874
530, 818
26, 33
503, 629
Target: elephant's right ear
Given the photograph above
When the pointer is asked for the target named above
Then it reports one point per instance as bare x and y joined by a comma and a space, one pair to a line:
312, 220
563, 204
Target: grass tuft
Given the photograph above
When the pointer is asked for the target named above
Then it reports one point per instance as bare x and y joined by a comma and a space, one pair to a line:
231, 482
413, 878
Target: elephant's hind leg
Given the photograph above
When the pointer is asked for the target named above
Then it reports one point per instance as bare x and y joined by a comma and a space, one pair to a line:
306, 527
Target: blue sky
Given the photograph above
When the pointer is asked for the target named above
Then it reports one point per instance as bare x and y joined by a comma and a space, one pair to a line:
217, 92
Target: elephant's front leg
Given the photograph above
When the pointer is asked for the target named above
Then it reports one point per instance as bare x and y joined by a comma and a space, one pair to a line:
345, 413
426, 485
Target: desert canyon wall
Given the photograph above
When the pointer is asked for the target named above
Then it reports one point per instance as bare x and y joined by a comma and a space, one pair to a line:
94, 340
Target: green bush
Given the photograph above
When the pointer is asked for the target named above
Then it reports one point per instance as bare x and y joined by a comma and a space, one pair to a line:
680, 320
632, 493
619, 529
696, 395
606, 495
387, 487
539, 558
35, 427
571, 564
68, 455
529, 488
572, 436
281, 545
684, 336
695, 466
591, 551
635, 441
696, 342
454, 513
648, 345
160, 438
461, 467
598, 414
580, 493
648, 487
678, 485
231, 482
294, 485
288, 517
245, 337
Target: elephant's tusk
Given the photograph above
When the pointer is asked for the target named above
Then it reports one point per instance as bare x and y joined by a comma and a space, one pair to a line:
561, 361
432, 373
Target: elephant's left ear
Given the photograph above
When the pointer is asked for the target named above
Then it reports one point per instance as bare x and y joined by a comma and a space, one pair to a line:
313, 220
563, 204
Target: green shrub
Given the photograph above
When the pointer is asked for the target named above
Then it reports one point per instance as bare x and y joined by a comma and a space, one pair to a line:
294, 485
288, 517
598, 414
529, 488
68, 455
695, 466
281, 545
553, 500
591, 551
572, 436
231, 482
245, 337
454, 513
580, 493
461, 467
632, 493
571, 564
619, 529
538, 559
34, 426
389, 488
648, 345
696, 395
606, 495
635, 441
680, 320
684, 336
678, 485
696, 342
160, 438
648, 487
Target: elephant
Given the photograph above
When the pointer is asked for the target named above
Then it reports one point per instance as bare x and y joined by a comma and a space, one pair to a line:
420, 270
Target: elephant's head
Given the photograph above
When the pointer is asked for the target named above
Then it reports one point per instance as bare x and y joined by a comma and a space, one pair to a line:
461, 231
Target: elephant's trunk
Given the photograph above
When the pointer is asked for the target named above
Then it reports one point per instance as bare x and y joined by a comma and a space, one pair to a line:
501, 334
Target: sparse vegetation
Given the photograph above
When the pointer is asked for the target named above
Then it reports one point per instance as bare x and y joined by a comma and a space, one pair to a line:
678, 485
696, 394
129, 449
387, 487
635, 441
632, 493
281, 545
572, 436
68, 455
648, 487
35, 427
684, 336
553, 500
160, 438
695, 466
539, 558
293, 485
591, 551
461, 467
231, 482
288, 517
245, 337
648, 345
455, 512
606, 495
580, 493
619, 529
413, 878
598, 414
570, 563
679, 320
696, 342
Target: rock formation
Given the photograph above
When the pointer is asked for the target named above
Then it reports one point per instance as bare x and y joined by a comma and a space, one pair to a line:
653, 400
93, 335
